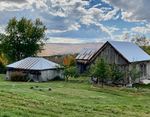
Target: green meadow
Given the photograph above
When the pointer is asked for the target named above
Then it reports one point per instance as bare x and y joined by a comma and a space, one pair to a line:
76, 98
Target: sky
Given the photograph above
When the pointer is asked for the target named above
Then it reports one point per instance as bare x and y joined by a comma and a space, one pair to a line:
79, 21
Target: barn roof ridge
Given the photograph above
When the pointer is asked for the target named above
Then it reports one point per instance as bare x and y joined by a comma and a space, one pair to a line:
34, 63
128, 50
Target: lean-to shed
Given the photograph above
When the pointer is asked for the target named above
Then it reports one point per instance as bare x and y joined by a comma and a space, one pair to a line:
35, 69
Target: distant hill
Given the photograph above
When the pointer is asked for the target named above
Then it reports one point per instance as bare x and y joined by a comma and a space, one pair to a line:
51, 49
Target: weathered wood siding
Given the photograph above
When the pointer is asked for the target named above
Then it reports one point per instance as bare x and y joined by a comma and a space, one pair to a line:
51, 74
148, 70
111, 56
143, 75
45, 75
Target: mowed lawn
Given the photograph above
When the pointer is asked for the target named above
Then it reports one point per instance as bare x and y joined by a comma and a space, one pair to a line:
71, 99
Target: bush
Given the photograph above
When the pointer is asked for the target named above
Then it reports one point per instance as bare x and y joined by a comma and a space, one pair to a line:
137, 85
134, 74
106, 73
57, 78
100, 70
116, 75
2, 69
18, 76
70, 71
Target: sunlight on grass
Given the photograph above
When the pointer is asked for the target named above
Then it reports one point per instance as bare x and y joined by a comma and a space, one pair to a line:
71, 99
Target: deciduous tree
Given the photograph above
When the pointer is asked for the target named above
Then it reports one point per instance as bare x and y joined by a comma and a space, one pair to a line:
22, 38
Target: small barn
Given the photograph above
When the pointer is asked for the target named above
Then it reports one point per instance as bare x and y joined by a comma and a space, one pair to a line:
123, 54
34, 69
84, 59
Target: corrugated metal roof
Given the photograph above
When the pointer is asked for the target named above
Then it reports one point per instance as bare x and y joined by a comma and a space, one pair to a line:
34, 63
130, 51
86, 54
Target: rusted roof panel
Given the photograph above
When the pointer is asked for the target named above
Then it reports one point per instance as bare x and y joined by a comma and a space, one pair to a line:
86, 54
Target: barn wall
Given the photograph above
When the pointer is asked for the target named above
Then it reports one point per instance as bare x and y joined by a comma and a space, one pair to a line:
26, 74
148, 70
111, 56
138, 67
82, 67
51, 74
42, 76
8, 75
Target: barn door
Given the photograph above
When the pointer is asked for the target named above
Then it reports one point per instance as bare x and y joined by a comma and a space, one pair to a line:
143, 70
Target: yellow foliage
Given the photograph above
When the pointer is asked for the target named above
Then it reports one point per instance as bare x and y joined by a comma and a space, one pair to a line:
69, 60
3, 59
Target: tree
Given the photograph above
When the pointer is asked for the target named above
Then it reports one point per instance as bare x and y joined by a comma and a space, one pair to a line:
140, 40
70, 71
3, 62
69, 60
100, 70
22, 38
134, 74
116, 74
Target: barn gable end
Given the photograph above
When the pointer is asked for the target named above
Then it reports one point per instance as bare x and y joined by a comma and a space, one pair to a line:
111, 55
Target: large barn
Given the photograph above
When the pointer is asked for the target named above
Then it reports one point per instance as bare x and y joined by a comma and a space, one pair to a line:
34, 69
123, 54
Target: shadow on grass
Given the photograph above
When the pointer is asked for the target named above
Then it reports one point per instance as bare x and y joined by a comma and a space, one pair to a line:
141, 85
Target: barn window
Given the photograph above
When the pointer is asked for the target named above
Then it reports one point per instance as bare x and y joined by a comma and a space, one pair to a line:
143, 69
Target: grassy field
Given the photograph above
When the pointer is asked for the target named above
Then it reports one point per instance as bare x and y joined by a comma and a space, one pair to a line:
71, 99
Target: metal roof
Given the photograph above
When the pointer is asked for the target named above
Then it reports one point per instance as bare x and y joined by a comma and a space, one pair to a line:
34, 63
86, 54
130, 51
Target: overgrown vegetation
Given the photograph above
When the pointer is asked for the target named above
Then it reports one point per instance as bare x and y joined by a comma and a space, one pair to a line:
70, 71
116, 75
111, 74
134, 74
70, 67
100, 70
18, 76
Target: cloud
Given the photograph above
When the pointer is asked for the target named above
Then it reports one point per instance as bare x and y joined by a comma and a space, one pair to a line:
141, 29
2, 29
64, 40
113, 29
61, 15
75, 26
14, 1
13, 5
68, 18
133, 10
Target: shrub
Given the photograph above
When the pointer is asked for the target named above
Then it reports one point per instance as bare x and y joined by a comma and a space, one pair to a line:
134, 74
57, 78
100, 70
70, 71
116, 75
18, 76
2, 68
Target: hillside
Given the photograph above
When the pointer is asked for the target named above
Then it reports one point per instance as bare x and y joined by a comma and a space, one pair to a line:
51, 49
71, 99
